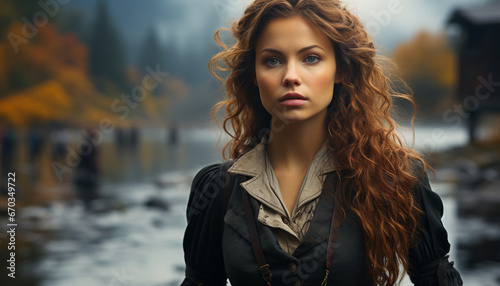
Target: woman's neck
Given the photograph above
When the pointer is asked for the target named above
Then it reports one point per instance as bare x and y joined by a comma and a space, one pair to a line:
293, 146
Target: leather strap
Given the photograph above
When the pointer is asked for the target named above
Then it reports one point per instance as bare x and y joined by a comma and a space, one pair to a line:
334, 229
265, 271
332, 241
257, 248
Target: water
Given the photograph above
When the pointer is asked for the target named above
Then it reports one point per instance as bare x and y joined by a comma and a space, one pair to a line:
125, 242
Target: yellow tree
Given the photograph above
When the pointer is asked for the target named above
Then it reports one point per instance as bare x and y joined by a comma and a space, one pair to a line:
429, 67
47, 80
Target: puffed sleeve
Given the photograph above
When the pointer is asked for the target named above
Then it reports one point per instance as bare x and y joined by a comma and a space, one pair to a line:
203, 237
429, 257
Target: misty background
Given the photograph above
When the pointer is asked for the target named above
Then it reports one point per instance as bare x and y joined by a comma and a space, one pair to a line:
105, 119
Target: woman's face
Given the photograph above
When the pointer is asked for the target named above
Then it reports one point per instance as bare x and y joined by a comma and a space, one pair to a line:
295, 69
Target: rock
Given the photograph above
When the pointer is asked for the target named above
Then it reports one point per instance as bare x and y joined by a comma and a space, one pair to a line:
484, 202
491, 172
468, 172
485, 249
158, 203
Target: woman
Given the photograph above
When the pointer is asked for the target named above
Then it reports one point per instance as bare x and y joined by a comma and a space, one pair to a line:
322, 192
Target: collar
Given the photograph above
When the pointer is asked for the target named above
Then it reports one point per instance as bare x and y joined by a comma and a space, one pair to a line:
253, 162
264, 186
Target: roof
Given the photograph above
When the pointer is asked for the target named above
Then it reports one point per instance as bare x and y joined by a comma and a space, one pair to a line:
484, 14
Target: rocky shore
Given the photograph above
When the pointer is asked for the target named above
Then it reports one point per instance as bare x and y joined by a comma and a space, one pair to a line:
474, 170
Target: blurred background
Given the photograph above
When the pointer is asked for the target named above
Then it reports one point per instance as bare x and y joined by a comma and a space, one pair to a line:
105, 119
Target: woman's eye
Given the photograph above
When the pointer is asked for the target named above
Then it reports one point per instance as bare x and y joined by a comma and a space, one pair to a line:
312, 59
272, 61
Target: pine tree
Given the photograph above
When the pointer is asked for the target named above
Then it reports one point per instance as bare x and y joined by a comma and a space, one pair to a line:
107, 61
152, 54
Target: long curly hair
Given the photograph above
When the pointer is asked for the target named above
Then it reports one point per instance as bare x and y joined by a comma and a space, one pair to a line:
362, 136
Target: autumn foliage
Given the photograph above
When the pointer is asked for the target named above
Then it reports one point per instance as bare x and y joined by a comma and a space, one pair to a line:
48, 80
429, 67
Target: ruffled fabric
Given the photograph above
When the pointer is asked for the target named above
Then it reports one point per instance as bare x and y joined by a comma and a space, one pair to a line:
447, 274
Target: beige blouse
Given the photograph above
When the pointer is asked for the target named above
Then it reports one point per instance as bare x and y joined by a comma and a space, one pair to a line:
289, 229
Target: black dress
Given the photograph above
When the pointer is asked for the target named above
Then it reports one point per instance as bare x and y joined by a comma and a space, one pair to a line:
212, 255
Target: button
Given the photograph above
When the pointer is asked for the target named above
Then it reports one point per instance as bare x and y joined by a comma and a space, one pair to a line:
285, 220
292, 266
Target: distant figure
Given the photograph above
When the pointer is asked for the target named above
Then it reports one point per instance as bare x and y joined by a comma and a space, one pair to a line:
133, 136
173, 135
86, 178
8, 148
3, 132
120, 138
35, 143
9, 142
60, 139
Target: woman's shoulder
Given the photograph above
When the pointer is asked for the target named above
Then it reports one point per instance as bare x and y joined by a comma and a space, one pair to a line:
214, 173
423, 194
418, 167
207, 187
208, 172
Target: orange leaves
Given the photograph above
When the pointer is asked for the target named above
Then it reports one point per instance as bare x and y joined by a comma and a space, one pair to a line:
177, 87
43, 102
427, 55
429, 67
45, 79
45, 55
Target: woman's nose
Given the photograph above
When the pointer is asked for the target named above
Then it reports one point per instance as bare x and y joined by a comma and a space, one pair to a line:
292, 75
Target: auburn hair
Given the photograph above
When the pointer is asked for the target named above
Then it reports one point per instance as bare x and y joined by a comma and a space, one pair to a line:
362, 136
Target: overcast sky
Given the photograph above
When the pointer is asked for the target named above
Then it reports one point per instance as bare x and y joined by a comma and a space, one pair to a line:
388, 21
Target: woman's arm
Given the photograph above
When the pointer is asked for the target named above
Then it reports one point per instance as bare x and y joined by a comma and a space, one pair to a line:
429, 257
203, 237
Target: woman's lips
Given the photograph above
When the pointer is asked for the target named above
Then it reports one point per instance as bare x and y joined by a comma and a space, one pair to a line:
293, 99
293, 102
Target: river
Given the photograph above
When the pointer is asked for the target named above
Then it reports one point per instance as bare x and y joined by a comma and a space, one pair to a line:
134, 235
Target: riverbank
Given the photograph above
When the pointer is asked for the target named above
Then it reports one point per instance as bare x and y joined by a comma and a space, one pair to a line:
61, 244
474, 170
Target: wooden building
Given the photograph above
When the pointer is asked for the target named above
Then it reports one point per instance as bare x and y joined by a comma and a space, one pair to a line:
478, 89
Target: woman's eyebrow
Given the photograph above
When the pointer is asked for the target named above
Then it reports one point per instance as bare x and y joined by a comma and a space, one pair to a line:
300, 51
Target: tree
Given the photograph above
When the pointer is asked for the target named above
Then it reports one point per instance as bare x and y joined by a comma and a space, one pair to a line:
152, 54
429, 67
107, 62
15, 10
47, 81
74, 22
